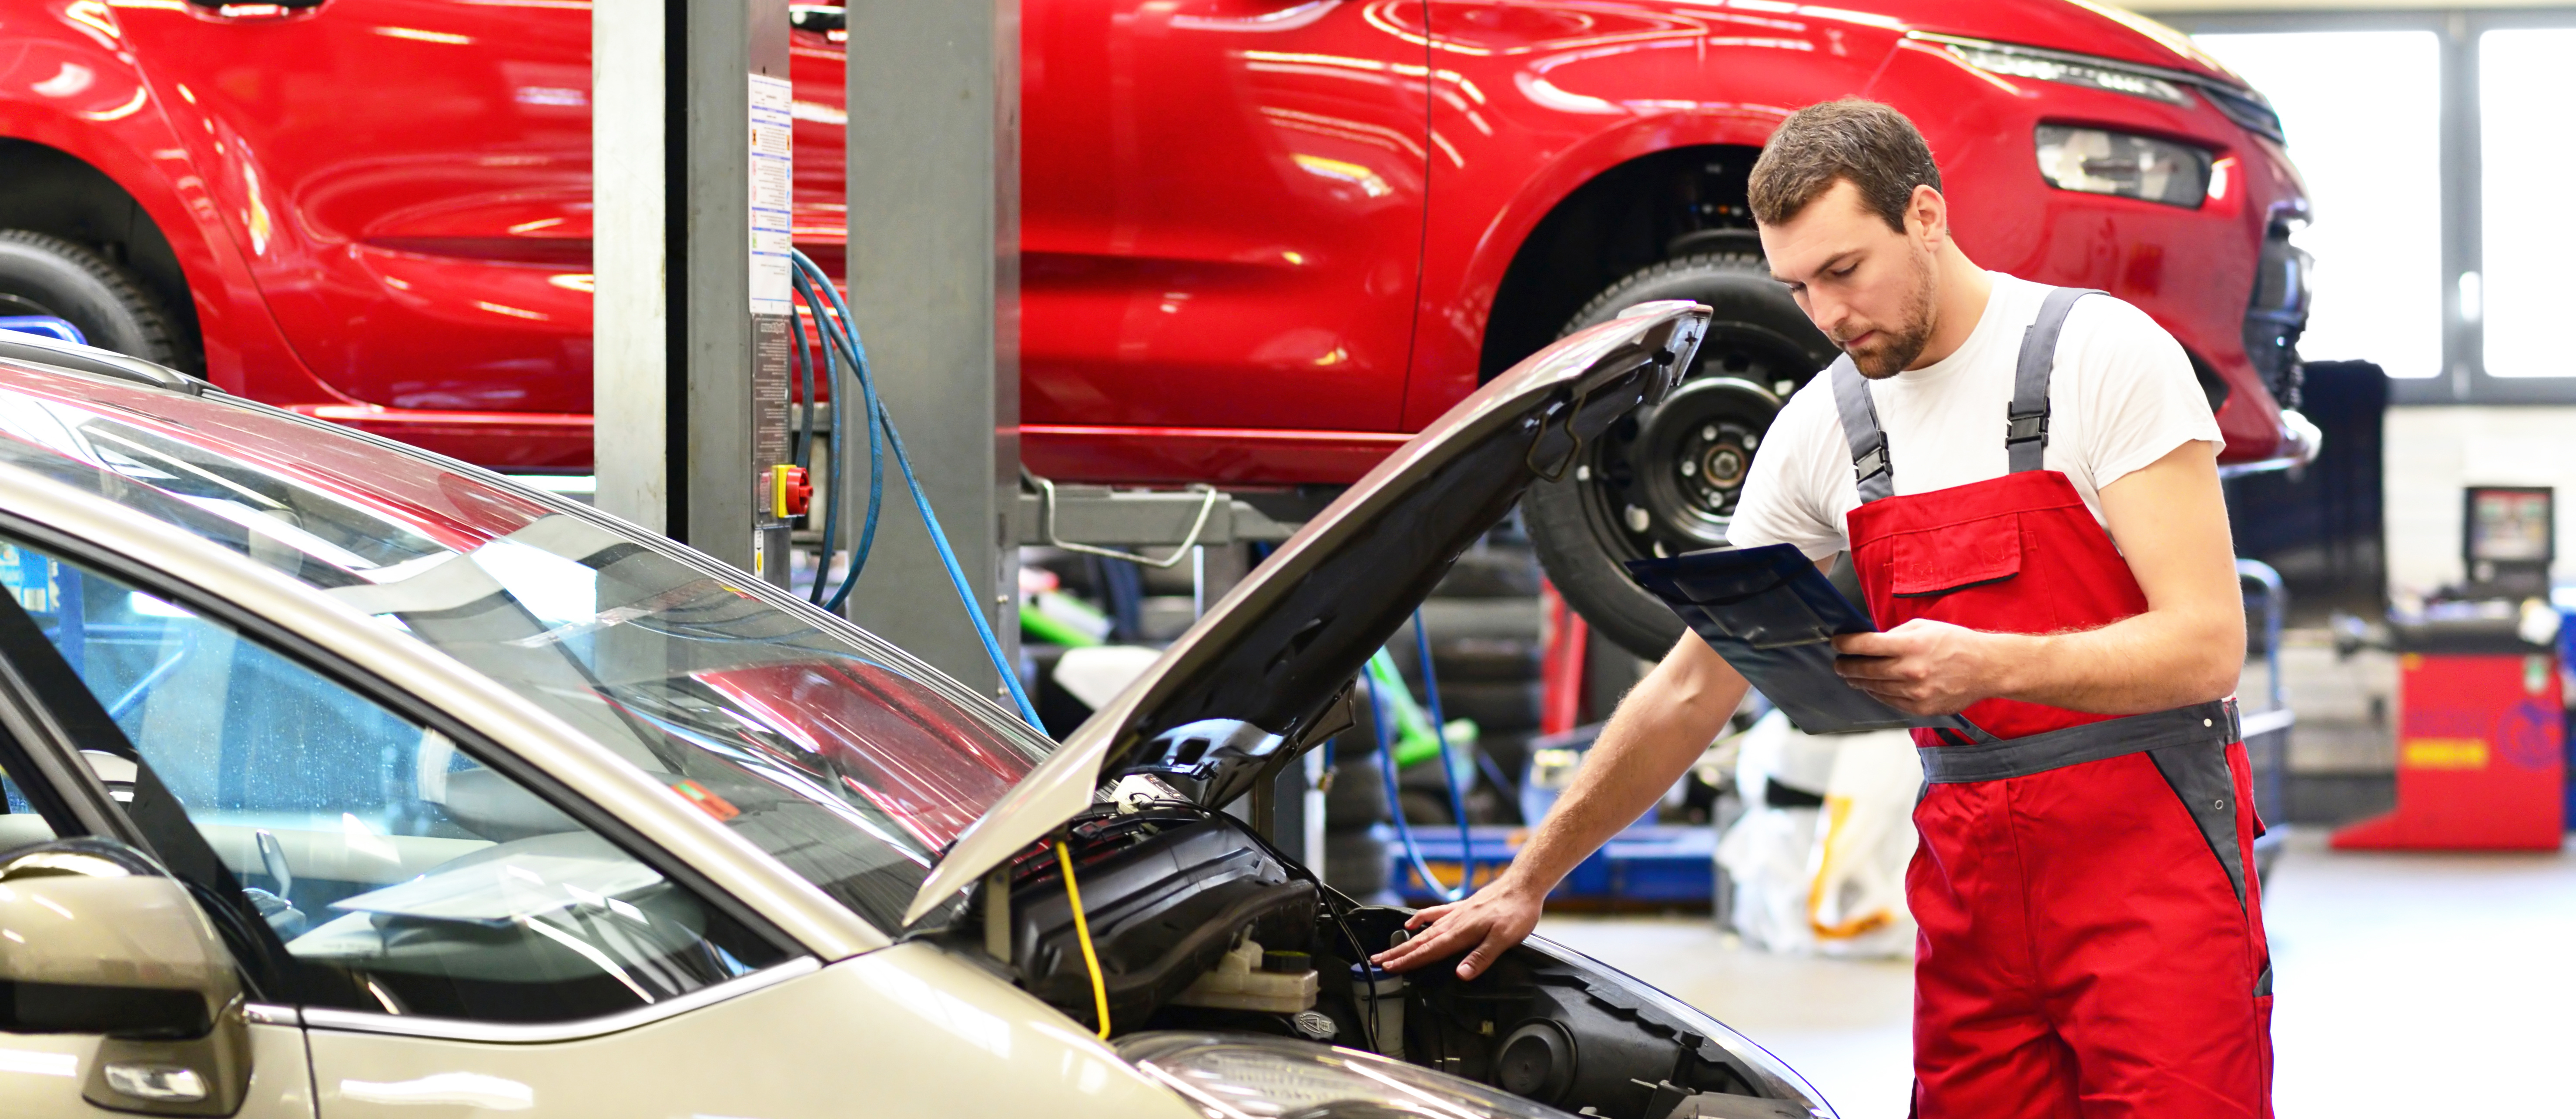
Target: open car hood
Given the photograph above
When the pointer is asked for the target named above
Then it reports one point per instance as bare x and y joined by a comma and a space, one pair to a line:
1255, 682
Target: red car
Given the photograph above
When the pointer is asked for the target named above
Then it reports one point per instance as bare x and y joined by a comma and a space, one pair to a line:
1261, 241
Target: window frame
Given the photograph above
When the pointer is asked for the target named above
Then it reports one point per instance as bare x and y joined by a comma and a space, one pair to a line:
295, 990
2464, 378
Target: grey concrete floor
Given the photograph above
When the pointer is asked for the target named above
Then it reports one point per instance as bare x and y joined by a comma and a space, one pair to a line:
2402, 980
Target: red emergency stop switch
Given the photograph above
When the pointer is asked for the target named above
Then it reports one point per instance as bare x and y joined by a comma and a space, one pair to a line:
791, 491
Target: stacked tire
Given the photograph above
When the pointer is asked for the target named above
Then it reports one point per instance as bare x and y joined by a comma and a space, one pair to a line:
1485, 651
1355, 854
1483, 622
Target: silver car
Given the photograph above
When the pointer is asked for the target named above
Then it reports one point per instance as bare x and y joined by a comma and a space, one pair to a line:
347, 780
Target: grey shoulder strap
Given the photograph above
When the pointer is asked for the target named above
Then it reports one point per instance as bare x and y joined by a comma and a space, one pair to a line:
2026, 418
1870, 467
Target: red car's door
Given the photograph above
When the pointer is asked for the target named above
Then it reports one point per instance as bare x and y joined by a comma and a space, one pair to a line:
1221, 211
410, 181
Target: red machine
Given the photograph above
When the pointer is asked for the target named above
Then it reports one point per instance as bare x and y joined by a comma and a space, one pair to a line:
1262, 240
2481, 731
2481, 758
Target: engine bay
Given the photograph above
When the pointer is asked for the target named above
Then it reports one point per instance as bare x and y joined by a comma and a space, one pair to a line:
1198, 926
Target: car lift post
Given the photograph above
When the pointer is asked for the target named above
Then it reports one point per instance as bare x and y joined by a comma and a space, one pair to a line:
933, 278
690, 304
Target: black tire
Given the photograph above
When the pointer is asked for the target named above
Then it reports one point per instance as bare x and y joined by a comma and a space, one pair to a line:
1357, 797
1501, 707
1425, 808
1665, 480
41, 274
1355, 862
1474, 660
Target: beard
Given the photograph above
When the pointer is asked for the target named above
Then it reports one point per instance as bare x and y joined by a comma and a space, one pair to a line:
1895, 347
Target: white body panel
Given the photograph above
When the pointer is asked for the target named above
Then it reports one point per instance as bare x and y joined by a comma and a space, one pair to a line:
905, 1031
41, 1076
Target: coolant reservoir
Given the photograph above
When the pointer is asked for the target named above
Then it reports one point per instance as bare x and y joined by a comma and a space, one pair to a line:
1247, 978
1381, 997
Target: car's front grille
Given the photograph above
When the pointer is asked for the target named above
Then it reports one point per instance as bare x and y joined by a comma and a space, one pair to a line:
2277, 315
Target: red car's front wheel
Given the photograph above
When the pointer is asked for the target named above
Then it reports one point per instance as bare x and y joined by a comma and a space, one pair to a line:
1665, 480
41, 274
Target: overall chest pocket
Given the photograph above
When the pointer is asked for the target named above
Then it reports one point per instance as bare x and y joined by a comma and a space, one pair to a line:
1956, 557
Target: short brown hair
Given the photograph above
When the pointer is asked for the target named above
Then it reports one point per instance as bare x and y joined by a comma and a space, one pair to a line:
1864, 143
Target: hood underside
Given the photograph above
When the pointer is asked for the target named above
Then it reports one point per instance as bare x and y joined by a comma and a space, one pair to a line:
1254, 683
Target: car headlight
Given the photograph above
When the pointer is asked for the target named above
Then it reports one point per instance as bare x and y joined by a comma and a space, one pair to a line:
2246, 107
2099, 161
1246, 1076
2068, 69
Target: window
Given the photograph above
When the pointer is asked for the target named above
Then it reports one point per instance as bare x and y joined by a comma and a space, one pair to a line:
412, 877
2526, 166
2362, 110
20, 825
848, 760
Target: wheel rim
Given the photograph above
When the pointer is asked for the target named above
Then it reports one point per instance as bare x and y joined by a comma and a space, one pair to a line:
1692, 456
1666, 480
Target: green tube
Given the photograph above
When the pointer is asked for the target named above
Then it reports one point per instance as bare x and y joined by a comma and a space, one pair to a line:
1036, 625
1414, 742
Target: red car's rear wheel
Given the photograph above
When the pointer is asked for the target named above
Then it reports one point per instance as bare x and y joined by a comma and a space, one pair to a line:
1665, 481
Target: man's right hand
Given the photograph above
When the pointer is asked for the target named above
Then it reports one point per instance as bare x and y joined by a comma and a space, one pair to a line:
1484, 926
1659, 730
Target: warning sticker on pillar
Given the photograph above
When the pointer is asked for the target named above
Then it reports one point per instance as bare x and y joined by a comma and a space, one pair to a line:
772, 399
773, 126
773, 244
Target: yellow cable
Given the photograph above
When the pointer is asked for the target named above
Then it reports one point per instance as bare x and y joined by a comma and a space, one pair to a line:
1082, 932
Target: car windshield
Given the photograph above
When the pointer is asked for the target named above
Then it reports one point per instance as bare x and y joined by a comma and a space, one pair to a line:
837, 753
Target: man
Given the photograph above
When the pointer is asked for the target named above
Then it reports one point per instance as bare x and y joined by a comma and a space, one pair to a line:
2026, 481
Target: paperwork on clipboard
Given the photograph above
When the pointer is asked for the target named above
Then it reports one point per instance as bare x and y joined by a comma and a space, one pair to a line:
1773, 616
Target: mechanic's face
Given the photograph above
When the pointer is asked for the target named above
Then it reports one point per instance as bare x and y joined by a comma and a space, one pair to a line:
1868, 287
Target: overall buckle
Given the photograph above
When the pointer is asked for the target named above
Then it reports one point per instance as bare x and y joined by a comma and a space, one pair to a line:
1872, 462
2024, 427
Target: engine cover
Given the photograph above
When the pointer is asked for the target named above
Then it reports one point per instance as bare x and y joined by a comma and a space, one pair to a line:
1167, 892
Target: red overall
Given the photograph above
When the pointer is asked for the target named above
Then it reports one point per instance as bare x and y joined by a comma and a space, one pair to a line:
2092, 941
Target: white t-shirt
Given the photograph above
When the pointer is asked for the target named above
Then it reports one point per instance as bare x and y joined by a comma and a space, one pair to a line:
2122, 396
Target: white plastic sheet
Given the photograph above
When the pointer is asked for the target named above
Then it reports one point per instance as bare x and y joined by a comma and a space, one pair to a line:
1828, 881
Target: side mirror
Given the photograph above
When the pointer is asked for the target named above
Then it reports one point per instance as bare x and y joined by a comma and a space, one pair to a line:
99, 940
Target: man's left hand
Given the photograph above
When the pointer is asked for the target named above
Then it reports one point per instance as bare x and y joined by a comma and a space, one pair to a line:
1922, 667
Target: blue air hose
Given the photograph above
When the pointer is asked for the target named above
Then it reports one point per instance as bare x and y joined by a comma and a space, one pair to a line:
843, 336
843, 345
808, 362
1448, 765
1448, 774
1394, 803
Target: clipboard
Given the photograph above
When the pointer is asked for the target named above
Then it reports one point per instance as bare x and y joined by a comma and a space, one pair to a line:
1773, 616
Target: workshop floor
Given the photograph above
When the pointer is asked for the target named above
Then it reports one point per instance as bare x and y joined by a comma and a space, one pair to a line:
2401, 979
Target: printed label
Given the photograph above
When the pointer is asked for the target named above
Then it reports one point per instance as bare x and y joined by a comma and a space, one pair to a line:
773, 216
2442, 753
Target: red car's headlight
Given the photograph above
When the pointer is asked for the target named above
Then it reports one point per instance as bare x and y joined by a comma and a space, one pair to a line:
2156, 83
2069, 69
2099, 161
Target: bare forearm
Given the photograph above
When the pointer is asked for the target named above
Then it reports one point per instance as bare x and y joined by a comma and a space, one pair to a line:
2170, 521
1660, 728
2150, 662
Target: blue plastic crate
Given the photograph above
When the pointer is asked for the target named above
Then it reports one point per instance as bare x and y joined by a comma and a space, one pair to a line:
1650, 865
